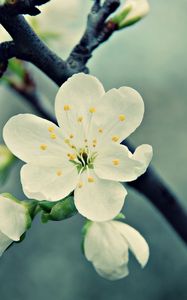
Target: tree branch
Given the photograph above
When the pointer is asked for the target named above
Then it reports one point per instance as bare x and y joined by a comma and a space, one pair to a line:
97, 31
153, 187
16, 7
30, 48
7, 51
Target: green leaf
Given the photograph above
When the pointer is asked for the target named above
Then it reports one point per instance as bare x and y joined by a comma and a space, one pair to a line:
120, 216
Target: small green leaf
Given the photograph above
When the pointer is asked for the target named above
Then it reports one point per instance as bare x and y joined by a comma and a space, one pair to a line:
120, 216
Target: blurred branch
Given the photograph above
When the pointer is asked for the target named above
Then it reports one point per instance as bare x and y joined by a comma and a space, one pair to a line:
29, 47
33, 99
153, 187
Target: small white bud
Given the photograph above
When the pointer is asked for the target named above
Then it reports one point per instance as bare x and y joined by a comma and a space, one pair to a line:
131, 12
14, 220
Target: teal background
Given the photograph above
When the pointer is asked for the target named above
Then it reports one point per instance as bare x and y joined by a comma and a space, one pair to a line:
151, 57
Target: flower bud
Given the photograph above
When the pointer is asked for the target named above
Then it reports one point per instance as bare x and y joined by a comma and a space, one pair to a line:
106, 245
132, 12
14, 220
59, 211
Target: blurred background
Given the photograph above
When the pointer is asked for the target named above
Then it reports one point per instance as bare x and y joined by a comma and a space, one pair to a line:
150, 57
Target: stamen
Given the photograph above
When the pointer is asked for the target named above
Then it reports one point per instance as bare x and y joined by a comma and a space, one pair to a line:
72, 156
67, 107
66, 141
71, 136
80, 185
80, 119
43, 147
53, 136
92, 110
100, 130
115, 138
121, 118
59, 173
90, 179
51, 129
116, 162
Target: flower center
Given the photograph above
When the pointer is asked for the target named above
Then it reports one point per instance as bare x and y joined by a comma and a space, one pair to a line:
82, 158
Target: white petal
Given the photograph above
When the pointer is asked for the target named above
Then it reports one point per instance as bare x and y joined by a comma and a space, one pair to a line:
4, 242
113, 274
100, 200
74, 100
26, 135
135, 240
106, 249
49, 183
13, 218
116, 162
120, 112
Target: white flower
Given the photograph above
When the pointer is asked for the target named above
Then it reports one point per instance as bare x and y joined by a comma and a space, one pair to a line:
107, 244
14, 221
131, 12
84, 153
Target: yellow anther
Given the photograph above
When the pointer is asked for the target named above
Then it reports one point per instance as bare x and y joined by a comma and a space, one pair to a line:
94, 145
53, 136
80, 185
71, 136
67, 107
51, 129
94, 141
115, 162
85, 140
79, 119
92, 110
90, 179
115, 138
66, 141
121, 118
100, 130
72, 156
73, 147
59, 173
43, 147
